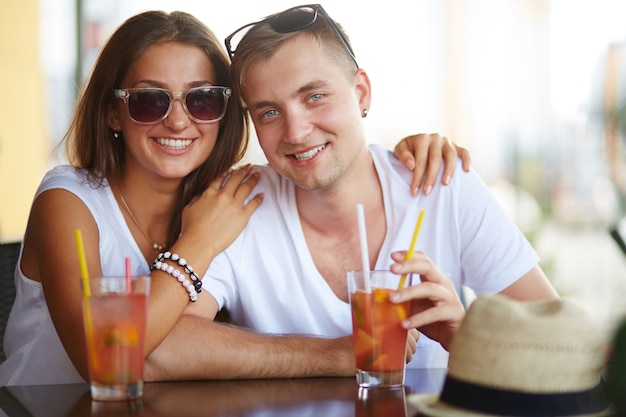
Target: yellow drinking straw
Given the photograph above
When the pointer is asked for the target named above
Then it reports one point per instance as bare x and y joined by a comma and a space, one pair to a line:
409, 254
87, 293
83, 263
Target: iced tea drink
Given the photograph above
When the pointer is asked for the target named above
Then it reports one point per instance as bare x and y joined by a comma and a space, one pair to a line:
378, 336
115, 327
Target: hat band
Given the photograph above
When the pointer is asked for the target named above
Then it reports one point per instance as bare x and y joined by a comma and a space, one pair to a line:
509, 403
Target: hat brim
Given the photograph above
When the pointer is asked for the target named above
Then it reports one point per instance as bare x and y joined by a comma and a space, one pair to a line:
430, 405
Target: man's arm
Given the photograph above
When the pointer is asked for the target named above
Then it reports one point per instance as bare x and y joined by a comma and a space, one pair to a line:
198, 348
531, 286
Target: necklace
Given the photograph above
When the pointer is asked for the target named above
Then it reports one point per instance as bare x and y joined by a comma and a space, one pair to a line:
155, 245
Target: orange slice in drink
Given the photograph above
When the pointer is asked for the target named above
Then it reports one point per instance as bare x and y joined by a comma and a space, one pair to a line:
381, 295
363, 343
398, 312
121, 334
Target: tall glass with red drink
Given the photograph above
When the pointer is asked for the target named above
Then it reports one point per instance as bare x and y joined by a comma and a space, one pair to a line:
114, 316
378, 336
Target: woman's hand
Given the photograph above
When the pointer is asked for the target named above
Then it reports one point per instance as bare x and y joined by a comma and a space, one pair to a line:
219, 214
436, 309
423, 155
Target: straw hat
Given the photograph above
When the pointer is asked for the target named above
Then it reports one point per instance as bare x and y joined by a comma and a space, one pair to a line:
511, 358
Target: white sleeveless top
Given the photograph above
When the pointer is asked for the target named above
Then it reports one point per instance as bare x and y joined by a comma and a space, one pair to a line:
34, 351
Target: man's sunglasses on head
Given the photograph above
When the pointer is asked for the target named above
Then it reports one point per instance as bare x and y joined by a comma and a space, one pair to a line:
291, 20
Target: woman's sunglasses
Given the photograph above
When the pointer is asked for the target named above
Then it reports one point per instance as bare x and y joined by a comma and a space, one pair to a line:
151, 105
291, 20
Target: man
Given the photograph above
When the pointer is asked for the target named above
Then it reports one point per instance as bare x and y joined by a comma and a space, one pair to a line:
286, 273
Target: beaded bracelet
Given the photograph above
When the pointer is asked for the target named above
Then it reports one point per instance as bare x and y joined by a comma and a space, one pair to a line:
193, 295
174, 257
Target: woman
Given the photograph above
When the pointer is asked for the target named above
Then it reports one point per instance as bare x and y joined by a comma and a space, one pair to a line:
150, 146
133, 170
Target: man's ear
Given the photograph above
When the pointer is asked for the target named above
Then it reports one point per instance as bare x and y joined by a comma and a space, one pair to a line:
363, 88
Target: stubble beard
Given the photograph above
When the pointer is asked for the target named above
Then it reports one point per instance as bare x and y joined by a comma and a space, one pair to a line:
326, 182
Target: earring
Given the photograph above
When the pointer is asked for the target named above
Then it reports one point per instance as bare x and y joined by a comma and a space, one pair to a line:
364, 112
116, 134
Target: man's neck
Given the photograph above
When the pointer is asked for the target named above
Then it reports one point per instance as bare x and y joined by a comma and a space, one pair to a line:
333, 210
330, 227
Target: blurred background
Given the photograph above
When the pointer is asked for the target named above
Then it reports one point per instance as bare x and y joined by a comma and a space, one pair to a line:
534, 88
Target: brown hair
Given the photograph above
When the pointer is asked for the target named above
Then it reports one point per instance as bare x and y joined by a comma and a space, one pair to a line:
89, 143
261, 42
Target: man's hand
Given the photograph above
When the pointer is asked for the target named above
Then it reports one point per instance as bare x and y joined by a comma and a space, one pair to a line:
436, 309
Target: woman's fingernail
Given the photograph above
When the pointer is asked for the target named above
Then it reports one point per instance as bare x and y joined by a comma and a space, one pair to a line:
428, 189
447, 179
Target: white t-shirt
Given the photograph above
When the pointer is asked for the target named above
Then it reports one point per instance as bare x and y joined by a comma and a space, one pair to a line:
34, 351
268, 281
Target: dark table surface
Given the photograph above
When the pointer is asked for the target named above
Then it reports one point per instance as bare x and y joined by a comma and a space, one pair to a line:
327, 397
